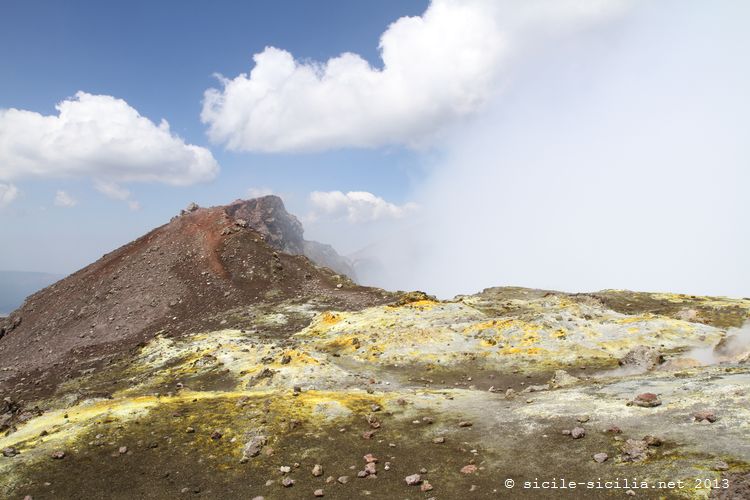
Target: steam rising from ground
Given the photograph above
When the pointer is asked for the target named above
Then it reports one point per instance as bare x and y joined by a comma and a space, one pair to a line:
735, 347
616, 159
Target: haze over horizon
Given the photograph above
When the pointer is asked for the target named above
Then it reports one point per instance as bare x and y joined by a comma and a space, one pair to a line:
572, 145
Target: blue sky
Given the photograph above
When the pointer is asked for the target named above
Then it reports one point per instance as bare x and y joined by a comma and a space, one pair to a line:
160, 57
565, 144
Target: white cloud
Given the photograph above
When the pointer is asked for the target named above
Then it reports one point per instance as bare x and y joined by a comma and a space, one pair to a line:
257, 192
112, 190
116, 192
63, 199
8, 193
437, 69
355, 206
101, 137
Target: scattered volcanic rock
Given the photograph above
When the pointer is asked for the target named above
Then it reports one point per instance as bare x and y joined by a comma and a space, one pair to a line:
563, 379
634, 450
413, 479
705, 416
253, 447
646, 400
577, 433
642, 358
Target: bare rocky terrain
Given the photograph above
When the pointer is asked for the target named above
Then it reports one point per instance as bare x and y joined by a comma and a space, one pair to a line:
212, 358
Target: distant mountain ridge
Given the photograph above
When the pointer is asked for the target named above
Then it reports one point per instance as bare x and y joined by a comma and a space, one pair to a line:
284, 232
15, 286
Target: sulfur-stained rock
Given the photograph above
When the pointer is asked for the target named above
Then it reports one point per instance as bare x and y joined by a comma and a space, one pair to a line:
253, 447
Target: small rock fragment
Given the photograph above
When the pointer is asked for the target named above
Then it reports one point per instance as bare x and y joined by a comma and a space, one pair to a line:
562, 379
600, 457
721, 466
704, 416
634, 450
646, 400
413, 480
468, 469
652, 440
317, 470
578, 433
642, 358
318, 493
253, 448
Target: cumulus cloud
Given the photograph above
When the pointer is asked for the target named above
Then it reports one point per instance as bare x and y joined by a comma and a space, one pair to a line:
101, 137
8, 193
257, 192
63, 199
116, 192
436, 69
355, 206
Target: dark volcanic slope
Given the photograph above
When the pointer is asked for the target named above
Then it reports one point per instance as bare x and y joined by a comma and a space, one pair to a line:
185, 276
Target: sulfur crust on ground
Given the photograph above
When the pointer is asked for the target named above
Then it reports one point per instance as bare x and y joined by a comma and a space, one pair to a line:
407, 372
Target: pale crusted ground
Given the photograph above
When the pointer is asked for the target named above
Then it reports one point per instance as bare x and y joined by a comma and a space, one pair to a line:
406, 374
